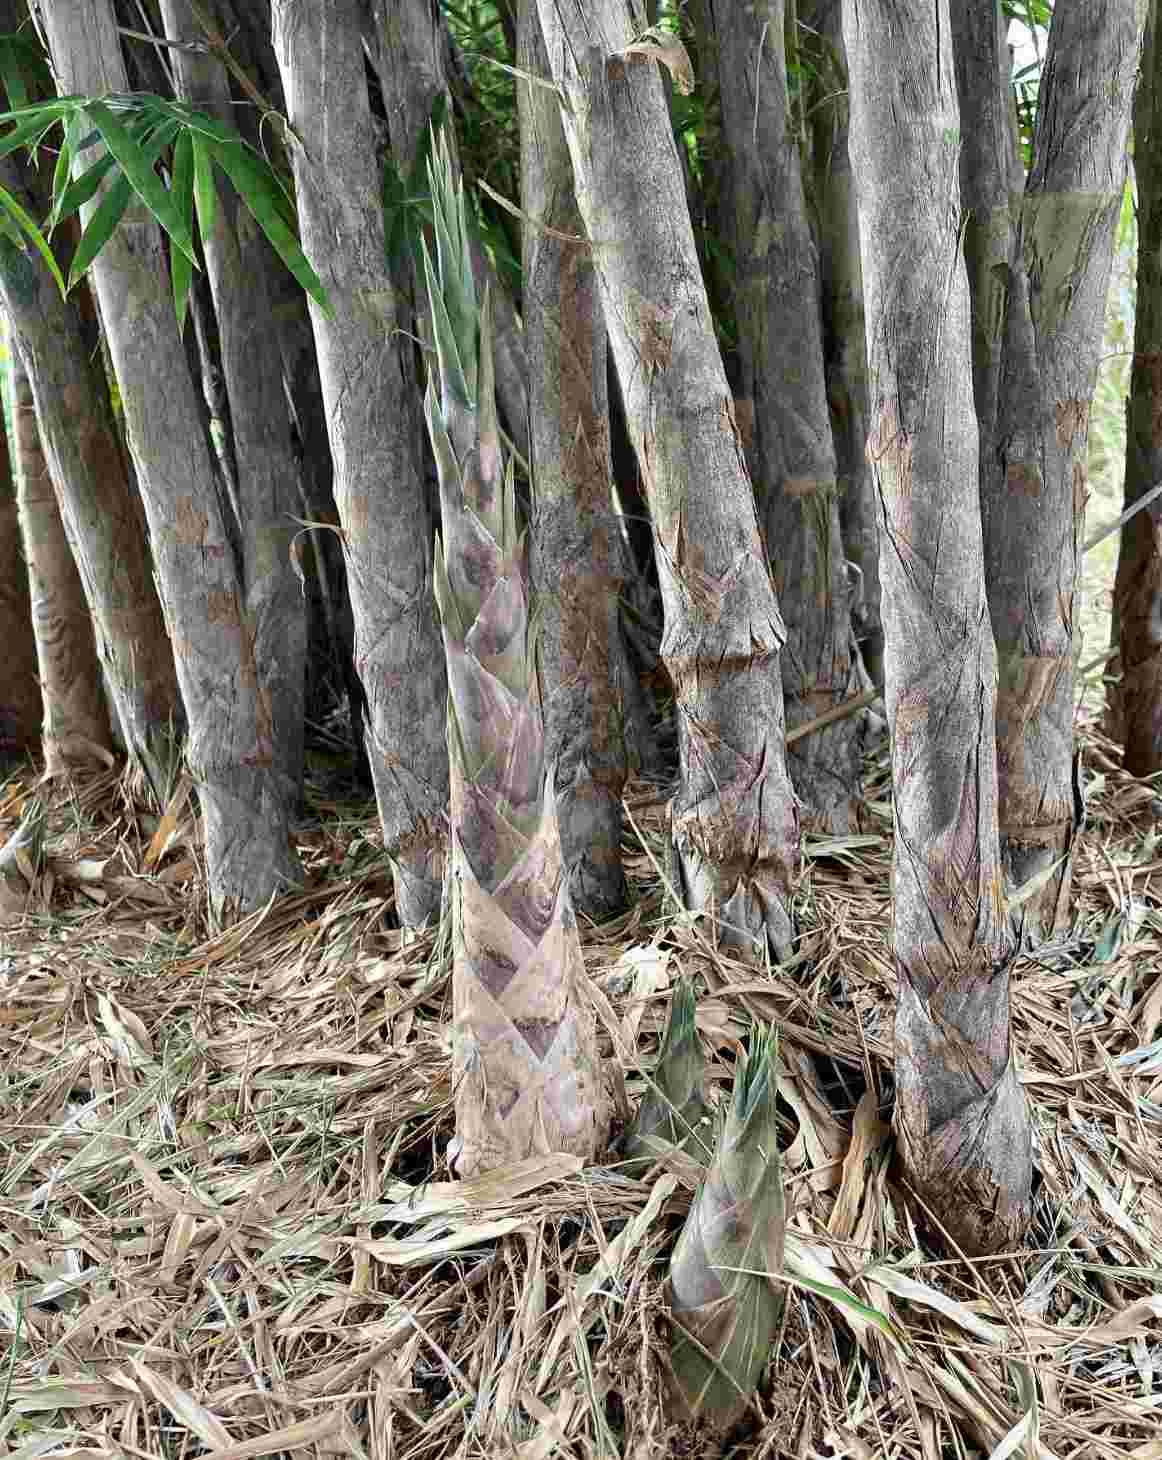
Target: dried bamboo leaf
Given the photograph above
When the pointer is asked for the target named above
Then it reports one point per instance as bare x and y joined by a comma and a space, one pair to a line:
868, 1133
808, 1266
184, 1407
22, 855
897, 1283
296, 1021
661, 45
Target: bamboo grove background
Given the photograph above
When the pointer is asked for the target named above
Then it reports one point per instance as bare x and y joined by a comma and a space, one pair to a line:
448, 1151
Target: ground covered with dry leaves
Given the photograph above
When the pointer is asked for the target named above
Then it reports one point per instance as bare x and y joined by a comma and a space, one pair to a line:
227, 1226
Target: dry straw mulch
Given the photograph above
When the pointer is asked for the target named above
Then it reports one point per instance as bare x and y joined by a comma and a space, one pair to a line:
226, 1226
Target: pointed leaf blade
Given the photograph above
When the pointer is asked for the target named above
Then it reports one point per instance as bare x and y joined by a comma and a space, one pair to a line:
259, 190
205, 189
77, 193
30, 127
28, 227
183, 194
137, 166
105, 219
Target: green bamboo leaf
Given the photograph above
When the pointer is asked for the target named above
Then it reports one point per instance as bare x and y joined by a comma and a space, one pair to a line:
205, 189
64, 167
452, 374
77, 193
258, 176
52, 110
112, 206
31, 126
182, 181
182, 189
105, 219
839, 1296
258, 188
138, 168
200, 125
28, 227
453, 257
72, 136
84, 187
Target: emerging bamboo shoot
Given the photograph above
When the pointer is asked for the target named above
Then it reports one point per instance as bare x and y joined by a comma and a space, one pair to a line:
527, 1079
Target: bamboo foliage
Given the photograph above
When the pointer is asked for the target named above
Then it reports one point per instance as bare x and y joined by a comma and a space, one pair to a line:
526, 1072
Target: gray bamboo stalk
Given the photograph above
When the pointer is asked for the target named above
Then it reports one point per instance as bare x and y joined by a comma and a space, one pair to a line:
777, 300
230, 747
577, 562
1138, 586
240, 264
97, 496
331, 632
845, 341
1034, 492
75, 719
991, 176
961, 1116
20, 699
526, 1071
374, 425
734, 820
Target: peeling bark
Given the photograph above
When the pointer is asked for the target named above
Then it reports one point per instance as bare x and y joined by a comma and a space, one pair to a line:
777, 300
961, 1117
76, 721
1138, 586
230, 748
577, 564
1034, 492
374, 426
734, 820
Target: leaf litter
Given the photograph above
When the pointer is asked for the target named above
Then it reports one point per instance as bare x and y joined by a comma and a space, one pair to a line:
227, 1225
